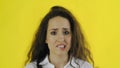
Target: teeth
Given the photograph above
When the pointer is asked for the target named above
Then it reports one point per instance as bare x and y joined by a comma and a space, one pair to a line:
61, 46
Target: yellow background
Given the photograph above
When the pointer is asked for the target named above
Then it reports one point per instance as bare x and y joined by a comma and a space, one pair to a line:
99, 19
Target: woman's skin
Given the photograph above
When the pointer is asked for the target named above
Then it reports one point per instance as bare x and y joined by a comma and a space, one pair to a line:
58, 40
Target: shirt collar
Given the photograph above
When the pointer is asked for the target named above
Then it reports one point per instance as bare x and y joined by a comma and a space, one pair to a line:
46, 62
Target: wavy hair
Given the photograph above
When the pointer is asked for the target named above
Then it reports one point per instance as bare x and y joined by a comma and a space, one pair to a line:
39, 48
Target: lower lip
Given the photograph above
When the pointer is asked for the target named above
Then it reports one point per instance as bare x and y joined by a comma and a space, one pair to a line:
61, 48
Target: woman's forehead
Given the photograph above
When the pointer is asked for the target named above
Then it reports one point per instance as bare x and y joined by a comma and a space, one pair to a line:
55, 29
58, 22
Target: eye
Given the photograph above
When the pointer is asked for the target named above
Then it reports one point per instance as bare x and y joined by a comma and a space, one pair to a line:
66, 32
53, 33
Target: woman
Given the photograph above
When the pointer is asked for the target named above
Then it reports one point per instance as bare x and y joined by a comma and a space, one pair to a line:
59, 43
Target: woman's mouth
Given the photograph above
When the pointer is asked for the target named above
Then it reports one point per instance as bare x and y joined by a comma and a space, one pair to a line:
61, 46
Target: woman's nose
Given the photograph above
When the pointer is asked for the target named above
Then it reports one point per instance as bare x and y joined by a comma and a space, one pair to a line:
60, 37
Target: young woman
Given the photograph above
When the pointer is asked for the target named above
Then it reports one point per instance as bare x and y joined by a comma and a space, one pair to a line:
59, 42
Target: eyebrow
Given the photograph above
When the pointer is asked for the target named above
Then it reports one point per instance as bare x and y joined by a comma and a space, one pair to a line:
57, 29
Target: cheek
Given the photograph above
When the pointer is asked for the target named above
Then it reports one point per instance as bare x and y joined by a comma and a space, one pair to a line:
50, 40
69, 40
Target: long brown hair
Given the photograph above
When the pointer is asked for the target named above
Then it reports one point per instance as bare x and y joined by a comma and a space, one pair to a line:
39, 48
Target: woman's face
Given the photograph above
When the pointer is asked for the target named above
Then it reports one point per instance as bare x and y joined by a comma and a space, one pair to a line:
58, 36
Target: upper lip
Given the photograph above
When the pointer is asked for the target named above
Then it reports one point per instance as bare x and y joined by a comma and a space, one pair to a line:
60, 45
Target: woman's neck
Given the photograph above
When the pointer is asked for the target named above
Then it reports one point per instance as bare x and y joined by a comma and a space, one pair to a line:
58, 60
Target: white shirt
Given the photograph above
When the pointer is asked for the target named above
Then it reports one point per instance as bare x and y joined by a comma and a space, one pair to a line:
46, 64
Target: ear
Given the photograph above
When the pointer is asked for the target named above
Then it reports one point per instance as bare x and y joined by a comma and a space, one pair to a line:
46, 41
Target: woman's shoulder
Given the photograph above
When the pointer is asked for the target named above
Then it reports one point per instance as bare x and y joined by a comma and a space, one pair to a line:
31, 65
83, 64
